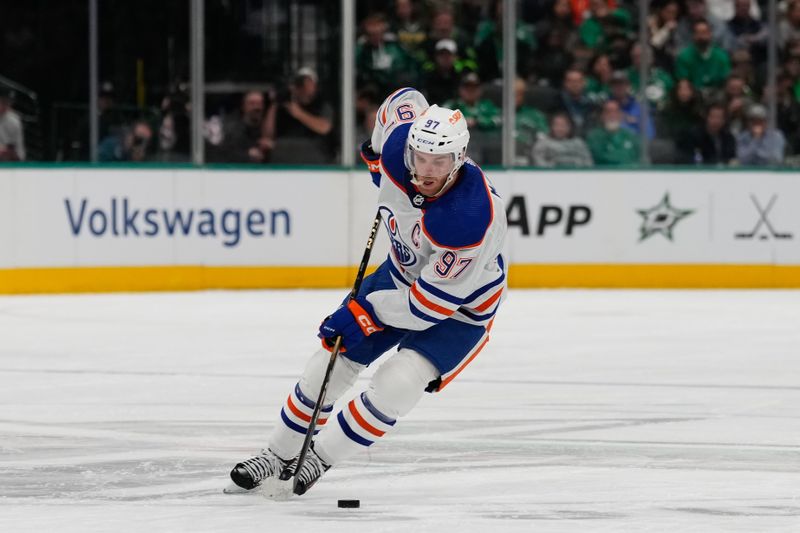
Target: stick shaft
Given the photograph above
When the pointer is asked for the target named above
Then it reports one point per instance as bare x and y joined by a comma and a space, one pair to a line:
336, 347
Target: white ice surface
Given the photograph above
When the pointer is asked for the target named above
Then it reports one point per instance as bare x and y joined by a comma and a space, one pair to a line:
588, 411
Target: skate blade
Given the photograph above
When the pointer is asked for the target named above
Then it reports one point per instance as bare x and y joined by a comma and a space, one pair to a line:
233, 488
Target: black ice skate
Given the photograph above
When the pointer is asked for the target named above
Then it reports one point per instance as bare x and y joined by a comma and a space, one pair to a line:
249, 474
312, 470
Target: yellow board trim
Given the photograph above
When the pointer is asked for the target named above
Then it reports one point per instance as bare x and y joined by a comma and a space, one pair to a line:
679, 276
180, 278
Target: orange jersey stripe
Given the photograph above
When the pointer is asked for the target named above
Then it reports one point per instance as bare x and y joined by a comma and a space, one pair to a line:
301, 415
363, 423
488, 303
452, 376
429, 304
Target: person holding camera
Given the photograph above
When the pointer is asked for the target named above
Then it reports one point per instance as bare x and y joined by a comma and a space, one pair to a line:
12, 144
174, 132
244, 140
299, 122
133, 144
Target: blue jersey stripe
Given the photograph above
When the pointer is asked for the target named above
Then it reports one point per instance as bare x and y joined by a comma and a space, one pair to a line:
308, 402
396, 273
374, 410
419, 314
293, 426
401, 93
352, 435
478, 318
439, 293
486, 288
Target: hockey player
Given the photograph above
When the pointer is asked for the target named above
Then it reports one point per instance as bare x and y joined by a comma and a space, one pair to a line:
434, 297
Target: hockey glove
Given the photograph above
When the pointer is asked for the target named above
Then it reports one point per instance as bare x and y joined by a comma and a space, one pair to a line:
373, 161
353, 322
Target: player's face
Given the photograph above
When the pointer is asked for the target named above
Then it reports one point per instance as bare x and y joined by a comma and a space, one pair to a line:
432, 171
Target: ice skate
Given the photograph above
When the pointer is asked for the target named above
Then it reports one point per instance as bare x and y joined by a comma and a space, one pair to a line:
249, 474
312, 470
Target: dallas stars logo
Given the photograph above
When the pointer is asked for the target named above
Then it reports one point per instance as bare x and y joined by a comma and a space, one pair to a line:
661, 219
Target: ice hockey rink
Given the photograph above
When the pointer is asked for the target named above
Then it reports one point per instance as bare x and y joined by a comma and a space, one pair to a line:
588, 411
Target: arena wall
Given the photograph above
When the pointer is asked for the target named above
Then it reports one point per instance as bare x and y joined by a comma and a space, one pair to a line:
107, 229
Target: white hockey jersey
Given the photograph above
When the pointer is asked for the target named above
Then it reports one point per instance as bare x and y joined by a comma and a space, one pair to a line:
445, 255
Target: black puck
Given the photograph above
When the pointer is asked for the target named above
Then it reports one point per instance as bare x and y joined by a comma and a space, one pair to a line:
349, 504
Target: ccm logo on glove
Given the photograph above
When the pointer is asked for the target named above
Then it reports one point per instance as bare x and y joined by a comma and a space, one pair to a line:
368, 326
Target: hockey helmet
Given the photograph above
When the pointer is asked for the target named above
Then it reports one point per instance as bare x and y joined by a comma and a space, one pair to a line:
438, 131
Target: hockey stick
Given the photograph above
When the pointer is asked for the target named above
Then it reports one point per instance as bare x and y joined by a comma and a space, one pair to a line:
335, 352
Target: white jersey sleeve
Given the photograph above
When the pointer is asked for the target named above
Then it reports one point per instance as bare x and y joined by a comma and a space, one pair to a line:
401, 107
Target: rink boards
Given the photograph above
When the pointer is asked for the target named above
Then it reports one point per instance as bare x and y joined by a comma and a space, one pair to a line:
106, 229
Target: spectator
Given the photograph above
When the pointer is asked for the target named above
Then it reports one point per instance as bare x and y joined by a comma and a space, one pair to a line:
788, 113
792, 69
441, 82
366, 99
12, 139
789, 27
111, 118
174, 133
558, 19
557, 37
555, 58
600, 71
724, 9
408, 28
659, 83
703, 63
133, 144
611, 144
443, 27
697, 10
711, 144
364, 127
759, 145
243, 141
560, 148
480, 113
470, 15
743, 66
631, 110
530, 123
300, 122
483, 119
574, 101
381, 61
110, 124
749, 33
489, 46
737, 98
663, 26
604, 25
683, 112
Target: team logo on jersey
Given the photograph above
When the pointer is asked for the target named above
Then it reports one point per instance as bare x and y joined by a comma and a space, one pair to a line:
415, 235
402, 253
418, 200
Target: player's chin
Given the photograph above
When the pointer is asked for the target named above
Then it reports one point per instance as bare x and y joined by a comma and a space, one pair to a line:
427, 188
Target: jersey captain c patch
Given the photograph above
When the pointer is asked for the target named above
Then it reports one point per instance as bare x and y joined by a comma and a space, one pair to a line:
401, 251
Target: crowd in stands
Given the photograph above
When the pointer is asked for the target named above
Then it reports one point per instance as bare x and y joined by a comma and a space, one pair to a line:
576, 88
577, 77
